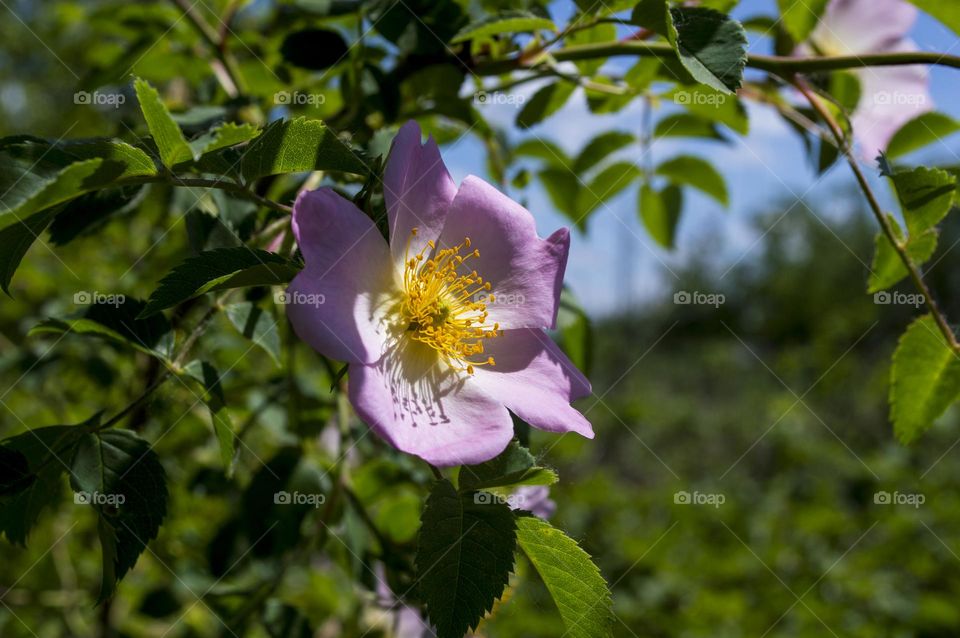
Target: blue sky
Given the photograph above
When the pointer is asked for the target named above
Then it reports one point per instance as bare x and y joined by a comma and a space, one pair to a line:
616, 265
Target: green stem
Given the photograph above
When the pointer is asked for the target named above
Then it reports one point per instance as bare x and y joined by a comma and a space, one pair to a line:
877, 210
235, 84
781, 65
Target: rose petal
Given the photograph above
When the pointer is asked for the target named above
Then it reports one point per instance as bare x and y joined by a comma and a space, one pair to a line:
535, 380
336, 302
863, 26
525, 271
889, 98
421, 407
417, 190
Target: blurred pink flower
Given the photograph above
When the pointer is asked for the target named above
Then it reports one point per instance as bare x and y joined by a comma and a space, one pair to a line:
443, 328
535, 499
889, 96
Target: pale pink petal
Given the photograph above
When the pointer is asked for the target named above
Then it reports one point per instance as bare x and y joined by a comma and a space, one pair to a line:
863, 26
335, 304
525, 271
535, 380
417, 190
420, 406
889, 98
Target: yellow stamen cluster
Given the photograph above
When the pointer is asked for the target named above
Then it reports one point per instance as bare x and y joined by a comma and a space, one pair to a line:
444, 307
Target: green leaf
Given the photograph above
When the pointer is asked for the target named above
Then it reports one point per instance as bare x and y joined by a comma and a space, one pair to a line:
607, 183
919, 132
515, 21
121, 477
687, 125
800, 18
298, 145
47, 452
925, 194
711, 46
660, 212
946, 12
464, 557
887, 268
118, 323
712, 106
698, 173
514, 466
210, 381
223, 136
562, 187
599, 148
256, 325
924, 379
544, 103
574, 582
575, 332
544, 150
167, 135
15, 241
220, 269
603, 32
89, 212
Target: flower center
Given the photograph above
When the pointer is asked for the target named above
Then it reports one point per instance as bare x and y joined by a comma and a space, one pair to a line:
444, 307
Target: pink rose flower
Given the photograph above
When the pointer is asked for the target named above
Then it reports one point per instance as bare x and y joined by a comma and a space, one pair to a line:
443, 328
889, 96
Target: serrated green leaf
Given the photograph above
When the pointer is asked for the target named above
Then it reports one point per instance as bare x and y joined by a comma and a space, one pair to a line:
919, 132
925, 195
255, 324
574, 582
298, 145
227, 134
48, 452
167, 135
607, 183
924, 379
220, 269
514, 466
464, 557
515, 21
89, 212
711, 46
125, 471
800, 18
544, 103
696, 172
660, 212
599, 148
118, 323
887, 268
